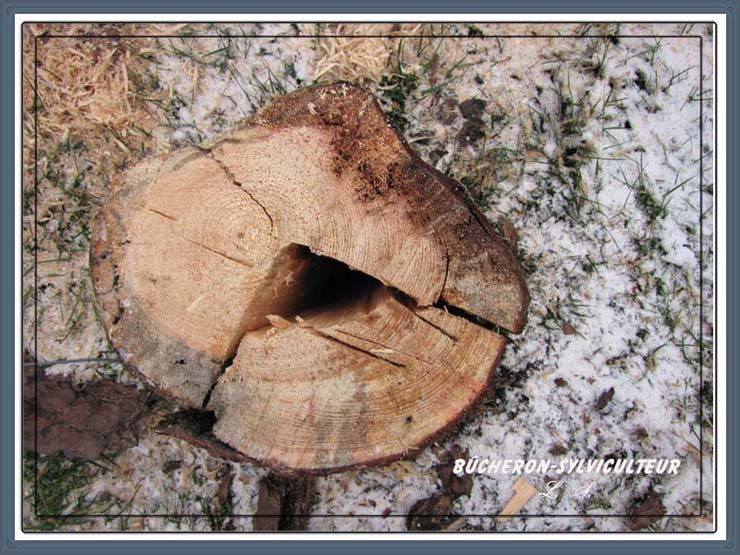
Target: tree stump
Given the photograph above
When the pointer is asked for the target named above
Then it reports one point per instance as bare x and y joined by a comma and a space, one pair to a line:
306, 277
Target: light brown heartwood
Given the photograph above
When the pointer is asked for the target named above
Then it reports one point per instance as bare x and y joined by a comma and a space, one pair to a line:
306, 277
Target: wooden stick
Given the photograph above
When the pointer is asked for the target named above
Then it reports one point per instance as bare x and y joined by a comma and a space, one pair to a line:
523, 492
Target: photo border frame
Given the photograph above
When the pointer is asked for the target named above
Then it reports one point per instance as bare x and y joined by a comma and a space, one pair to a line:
8, 340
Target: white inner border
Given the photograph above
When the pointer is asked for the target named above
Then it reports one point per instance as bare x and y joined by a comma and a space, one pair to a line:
720, 244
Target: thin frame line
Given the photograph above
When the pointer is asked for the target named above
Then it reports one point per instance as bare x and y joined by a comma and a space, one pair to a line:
248, 37
462, 37
35, 269
364, 515
701, 274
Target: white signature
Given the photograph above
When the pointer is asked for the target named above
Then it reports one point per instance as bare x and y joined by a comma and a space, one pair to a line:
552, 487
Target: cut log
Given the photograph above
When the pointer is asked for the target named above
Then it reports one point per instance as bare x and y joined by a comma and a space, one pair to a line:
312, 247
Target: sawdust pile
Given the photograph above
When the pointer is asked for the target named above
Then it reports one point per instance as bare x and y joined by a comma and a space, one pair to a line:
90, 87
354, 53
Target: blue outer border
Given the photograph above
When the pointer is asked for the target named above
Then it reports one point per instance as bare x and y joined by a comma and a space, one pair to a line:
8, 270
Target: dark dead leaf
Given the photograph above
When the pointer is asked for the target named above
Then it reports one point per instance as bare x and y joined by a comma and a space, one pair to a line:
508, 231
472, 108
223, 493
433, 71
171, 465
558, 450
472, 131
455, 486
646, 511
604, 399
447, 111
430, 514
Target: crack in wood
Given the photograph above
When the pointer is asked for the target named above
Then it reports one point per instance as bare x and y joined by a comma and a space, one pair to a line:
385, 347
366, 352
241, 187
472, 318
221, 371
154, 211
448, 335
219, 253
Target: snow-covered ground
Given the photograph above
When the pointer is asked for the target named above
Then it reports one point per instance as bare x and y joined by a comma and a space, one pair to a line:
590, 143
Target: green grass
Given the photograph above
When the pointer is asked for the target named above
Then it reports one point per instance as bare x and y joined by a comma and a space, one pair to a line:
71, 200
397, 88
564, 125
61, 486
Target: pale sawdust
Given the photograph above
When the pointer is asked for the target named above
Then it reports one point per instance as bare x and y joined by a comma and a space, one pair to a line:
88, 87
355, 54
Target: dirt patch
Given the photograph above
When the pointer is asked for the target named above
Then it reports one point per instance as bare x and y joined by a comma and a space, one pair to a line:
101, 417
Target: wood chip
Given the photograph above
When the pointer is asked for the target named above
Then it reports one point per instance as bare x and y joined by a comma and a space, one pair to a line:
523, 492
